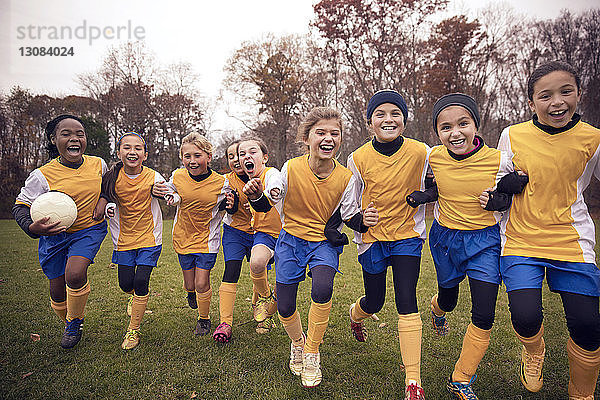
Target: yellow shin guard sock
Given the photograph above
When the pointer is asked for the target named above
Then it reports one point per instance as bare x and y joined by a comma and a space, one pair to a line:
318, 319
293, 327
534, 344
227, 292
60, 309
76, 299
138, 308
203, 300
435, 307
583, 370
410, 330
358, 314
475, 344
260, 283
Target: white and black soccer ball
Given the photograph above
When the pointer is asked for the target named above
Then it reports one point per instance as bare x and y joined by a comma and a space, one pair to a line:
56, 205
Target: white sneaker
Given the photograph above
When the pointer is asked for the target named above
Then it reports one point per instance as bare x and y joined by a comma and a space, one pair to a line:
296, 361
311, 371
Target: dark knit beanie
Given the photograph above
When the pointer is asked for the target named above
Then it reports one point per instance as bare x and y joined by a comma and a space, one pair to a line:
456, 99
387, 96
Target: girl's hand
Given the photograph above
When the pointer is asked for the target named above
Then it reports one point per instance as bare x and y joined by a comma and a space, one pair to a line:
246, 206
172, 199
484, 197
159, 189
43, 228
98, 213
230, 199
370, 215
111, 210
253, 189
275, 194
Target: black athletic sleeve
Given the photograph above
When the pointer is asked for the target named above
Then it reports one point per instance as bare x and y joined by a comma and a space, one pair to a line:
23, 218
234, 207
512, 183
261, 204
355, 223
335, 237
498, 201
418, 197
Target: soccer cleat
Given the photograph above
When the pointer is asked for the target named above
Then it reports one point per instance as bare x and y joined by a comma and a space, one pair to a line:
439, 324
72, 334
223, 333
132, 338
202, 327
265, 307
414, 392
129, 305
358, 329
266, 325
311, 370
297, 357
191, 298
531, 370
462, 391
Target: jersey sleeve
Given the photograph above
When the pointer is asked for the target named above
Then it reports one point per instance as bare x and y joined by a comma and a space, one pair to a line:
504, 143
358, 182
275, 179
158, 177
348, 205
170, 183
35, 185
104, 166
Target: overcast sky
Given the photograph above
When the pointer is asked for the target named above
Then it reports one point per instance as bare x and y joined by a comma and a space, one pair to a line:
204, 33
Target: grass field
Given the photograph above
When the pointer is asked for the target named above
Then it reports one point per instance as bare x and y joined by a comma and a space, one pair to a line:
170, 363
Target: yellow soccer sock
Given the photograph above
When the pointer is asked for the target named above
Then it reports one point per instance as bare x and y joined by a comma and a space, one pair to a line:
583, 370
358, 314
60, 309
318, 319
534, 344
76, 299
435, 307
260, 283
138, 308
410, 330
227, 292
475, 344
293, 327
203, 300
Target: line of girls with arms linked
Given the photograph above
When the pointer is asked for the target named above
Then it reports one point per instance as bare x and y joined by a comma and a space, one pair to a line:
514, 214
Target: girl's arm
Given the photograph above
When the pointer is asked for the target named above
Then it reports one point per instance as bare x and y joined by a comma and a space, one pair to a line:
98, 213
167, 190
230, 199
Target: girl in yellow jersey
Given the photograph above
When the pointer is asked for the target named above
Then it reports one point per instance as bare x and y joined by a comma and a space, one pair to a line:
548, 231
253, 156
308, 191
387, 169
201, 195
135, 226
65, 254
237, 243
464, 239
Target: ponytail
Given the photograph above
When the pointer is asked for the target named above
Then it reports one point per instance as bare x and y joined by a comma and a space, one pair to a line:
109, 182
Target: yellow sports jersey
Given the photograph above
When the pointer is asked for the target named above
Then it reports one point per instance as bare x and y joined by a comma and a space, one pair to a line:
138, 219
550, 218
242, 218
308, 202
386, 181
461, 182
269, 222
83, 184
197, 223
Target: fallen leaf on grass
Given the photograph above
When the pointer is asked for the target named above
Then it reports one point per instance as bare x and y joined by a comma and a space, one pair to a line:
194, 395
148, 312
35, 337
382, 325
172, 290
39, 270
248, 299
26, 375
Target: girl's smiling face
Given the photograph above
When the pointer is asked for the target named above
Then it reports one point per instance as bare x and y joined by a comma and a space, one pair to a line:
132, 153
70, 140
555, 98
456, 129
387, 122
324, 139
252, 158
194, 160
233, 160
